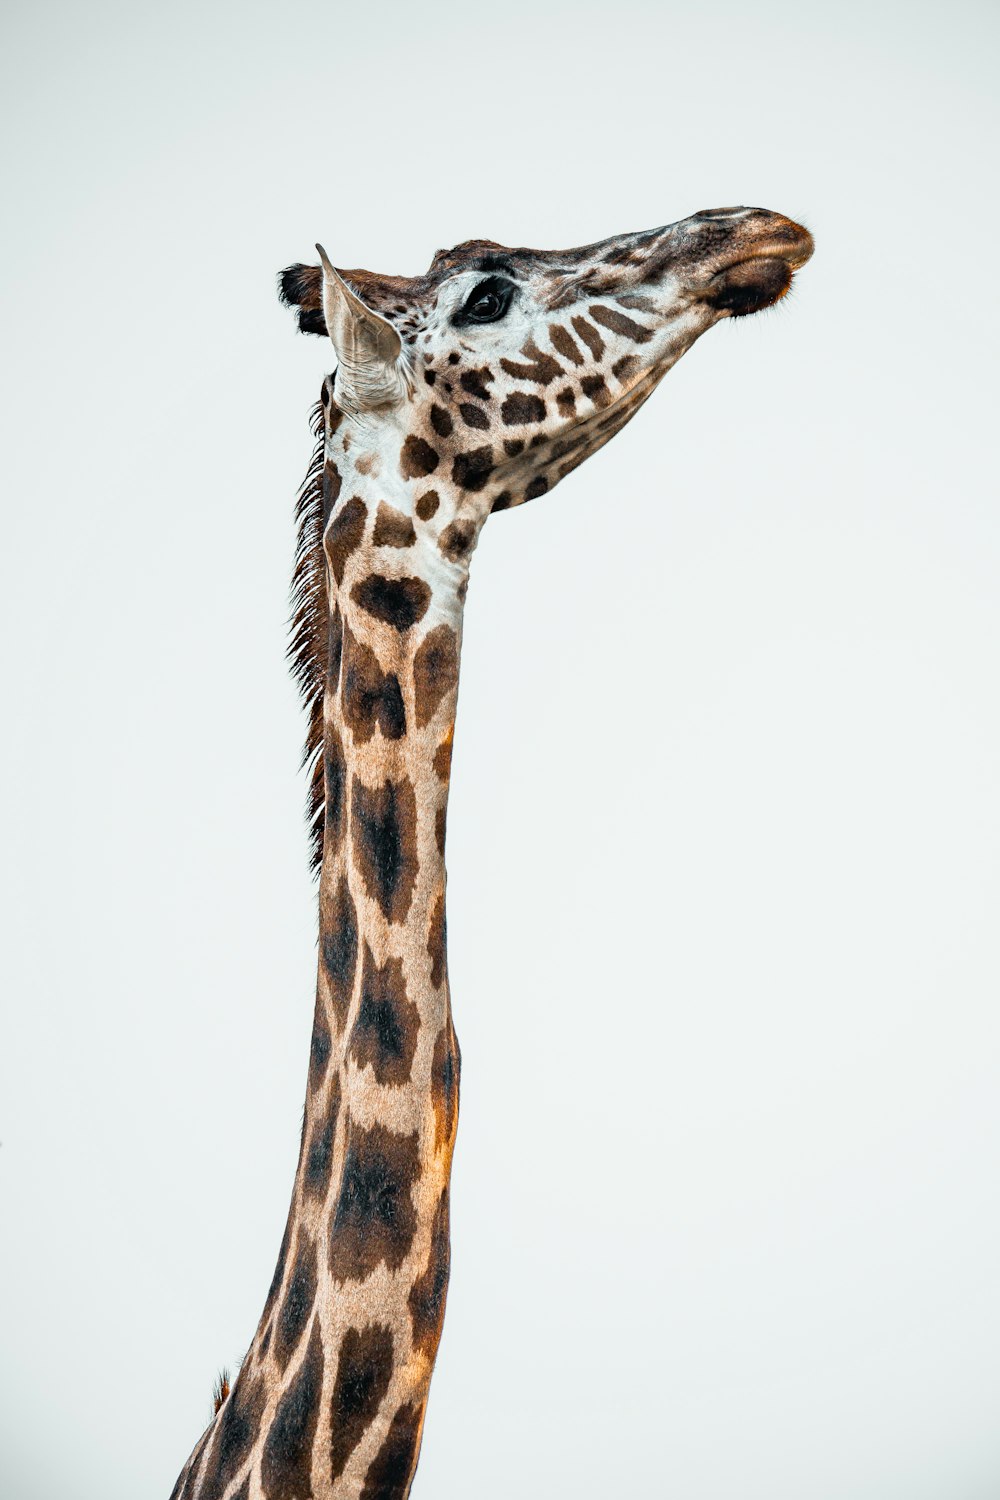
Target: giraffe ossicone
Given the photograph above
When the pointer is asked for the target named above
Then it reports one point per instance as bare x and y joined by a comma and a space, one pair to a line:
468, 390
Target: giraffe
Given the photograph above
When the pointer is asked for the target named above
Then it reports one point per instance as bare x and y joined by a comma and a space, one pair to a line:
468, 390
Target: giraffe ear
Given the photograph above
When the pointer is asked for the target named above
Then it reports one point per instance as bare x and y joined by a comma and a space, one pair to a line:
369, 365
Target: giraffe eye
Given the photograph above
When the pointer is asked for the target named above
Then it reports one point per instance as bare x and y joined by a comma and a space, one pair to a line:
487, 302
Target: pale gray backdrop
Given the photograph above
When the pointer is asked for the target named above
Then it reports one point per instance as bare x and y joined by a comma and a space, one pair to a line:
724, 832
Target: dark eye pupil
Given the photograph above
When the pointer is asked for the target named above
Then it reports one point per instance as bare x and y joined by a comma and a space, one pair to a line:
487, 302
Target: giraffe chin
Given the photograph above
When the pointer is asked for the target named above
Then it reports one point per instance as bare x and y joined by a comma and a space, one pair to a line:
750, 286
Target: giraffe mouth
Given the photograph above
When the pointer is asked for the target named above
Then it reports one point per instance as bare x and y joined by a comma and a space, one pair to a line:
762, 278
750, 285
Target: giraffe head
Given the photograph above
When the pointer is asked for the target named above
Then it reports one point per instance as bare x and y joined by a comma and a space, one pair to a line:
500, 370
480, 385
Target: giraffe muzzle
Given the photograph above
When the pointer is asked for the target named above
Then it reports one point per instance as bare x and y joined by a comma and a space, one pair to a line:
769, 249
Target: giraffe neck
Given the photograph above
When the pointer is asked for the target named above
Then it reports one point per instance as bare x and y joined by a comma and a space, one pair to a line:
330, 1399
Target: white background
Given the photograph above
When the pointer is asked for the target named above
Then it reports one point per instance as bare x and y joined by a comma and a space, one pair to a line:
723, 841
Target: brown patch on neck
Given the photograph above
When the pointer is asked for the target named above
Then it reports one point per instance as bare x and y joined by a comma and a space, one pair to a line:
384, 843
286, 1466
393, 528
393, 1465
435, 671
429, 1291
370, 699
345, 534
387, 1025
375, 1220
364, 1370
445, 1074
442, 756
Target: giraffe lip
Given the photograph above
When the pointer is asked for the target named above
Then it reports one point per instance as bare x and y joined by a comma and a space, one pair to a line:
786, 241
760, 279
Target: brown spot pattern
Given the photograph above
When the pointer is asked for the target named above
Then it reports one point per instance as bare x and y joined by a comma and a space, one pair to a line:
457, 540
364, 1370
427, 504
384, 841
590, 336
442, 756
319, 1046
476, 382
334, 787
564, 343
445, 1071
626, 366
298, 1302
429, 1291
392, 528
520, 408
621, 324
595, 389
236, 1430
286, 1464
339, 924
441, 422
334, 646
374, 1220
331, 486
371, 698
344, 535
473, 416
399, 602
319, 1153
539, 367
417, 458
435, 671
385, 1032
471, 470
389, 1474
279, 1270
436, 941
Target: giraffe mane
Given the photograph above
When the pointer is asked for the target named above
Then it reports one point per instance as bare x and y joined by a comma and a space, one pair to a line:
308, 641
